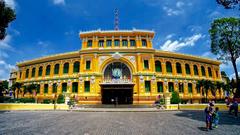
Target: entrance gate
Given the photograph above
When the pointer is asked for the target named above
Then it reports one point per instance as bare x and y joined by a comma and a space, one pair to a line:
117, 93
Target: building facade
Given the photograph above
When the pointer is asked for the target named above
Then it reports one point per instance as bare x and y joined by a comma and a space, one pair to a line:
120, 65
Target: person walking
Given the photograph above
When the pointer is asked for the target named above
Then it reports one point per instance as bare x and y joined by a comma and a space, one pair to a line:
216, 117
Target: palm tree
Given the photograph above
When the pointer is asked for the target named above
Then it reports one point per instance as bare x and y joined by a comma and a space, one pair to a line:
17, 88
219, 85
32, 88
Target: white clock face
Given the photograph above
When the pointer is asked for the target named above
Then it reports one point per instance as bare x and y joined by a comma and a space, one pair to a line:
117, 73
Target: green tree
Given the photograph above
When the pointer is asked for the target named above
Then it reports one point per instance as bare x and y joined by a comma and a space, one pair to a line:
7, 15
229, 4
225, 42
16, 87
175, 98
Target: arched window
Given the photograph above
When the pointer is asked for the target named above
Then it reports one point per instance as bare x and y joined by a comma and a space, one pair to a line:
179, 68
158, 67
209, 72
33, 72
170, 87
187, 68
195, 70
203, 71
64, 87
75, 87
40, 71
54, 88
180, 87
169, 67
48, 70
45, 88
27, 73
56, 69
65, 68
189, 87
76, 67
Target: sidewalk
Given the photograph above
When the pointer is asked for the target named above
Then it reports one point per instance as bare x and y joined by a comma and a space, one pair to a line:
82, 109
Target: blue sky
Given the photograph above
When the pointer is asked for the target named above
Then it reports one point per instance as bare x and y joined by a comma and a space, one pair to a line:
45, 27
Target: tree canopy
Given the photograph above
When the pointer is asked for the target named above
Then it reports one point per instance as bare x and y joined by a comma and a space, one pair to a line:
228, 4
7, 15
225, 41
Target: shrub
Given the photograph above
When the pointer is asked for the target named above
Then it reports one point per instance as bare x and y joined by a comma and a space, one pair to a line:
27, 100
175, 98
47, 101
60, 99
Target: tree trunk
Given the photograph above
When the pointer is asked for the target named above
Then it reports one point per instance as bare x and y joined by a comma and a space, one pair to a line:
237, 94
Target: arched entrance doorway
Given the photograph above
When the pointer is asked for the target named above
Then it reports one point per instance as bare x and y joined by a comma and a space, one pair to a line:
117, 86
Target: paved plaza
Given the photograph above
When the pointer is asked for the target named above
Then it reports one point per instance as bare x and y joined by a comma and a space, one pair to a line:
113, 123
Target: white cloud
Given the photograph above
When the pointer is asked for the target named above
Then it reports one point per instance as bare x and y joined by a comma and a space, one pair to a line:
4, 44
5, 69
171, 11
179, 4
176, 45
169, 36
11, 3
234, 76
59, 2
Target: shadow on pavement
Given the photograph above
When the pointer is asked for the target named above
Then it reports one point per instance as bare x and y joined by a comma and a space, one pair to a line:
225, 118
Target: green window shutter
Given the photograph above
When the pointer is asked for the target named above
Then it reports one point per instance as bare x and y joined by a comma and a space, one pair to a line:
170, 87
187, 68
54, 88
45, 88
158, 66
144, 43
89, 43
75, 87
76, 67
209, 72
146, 64
169, 67
203, 71
181, 88
33, 72
64, 87
40, 71
195, 70
38, 88
179, 68
109, 43
48, 70
56, 69
189, 88
160, 87
116, 43
87, 86
65, 68
132, 43
124, 43
88, 64
147, 86
100, 43
27, 73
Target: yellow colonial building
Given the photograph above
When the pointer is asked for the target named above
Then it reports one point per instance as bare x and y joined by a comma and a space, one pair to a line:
118, 65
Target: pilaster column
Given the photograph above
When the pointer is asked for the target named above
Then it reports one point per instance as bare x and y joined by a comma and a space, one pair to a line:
138, 43
194, 88
50, 87
174, 69
164, 70
120, 41
105, 42
183, 69
44, 71
41, 88
191, 70
112, 41
128, 40
199, 71
51, 70
206, 70
70, 72
61, 69
185, 87
152, 65
69, 86
165, 86
139, 66
176, 85
30, 73
59, 87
